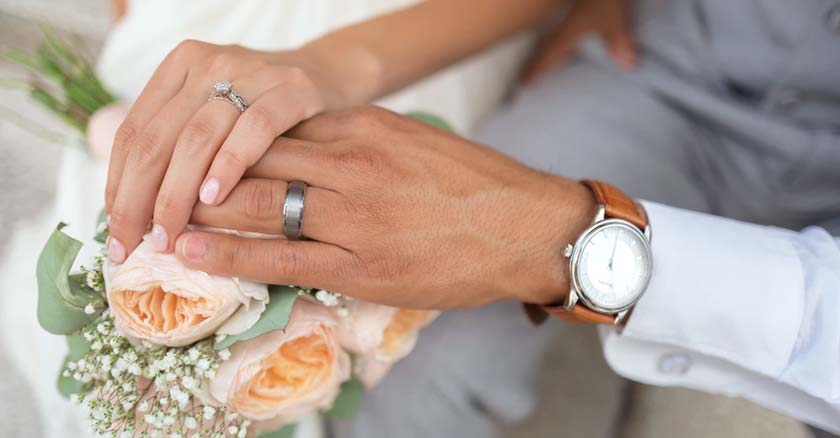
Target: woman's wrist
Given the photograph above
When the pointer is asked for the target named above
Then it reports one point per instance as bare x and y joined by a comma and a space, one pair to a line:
349, 76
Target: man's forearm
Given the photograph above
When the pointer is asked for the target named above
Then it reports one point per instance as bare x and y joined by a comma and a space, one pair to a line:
386, 53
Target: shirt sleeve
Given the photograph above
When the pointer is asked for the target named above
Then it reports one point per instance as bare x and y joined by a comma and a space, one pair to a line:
738, 309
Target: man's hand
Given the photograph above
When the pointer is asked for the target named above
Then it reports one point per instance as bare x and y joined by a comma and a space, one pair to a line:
608, 18
398, 212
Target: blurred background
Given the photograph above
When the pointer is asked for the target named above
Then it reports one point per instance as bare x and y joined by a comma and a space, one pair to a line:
580, 390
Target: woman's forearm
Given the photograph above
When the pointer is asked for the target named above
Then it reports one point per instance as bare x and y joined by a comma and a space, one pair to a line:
386, 53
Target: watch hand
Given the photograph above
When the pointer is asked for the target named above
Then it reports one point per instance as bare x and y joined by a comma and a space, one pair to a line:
612, 259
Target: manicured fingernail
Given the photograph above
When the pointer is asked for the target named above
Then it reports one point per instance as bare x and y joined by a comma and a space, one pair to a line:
209, 191
158, 238
116, 250
107, 219
193, 248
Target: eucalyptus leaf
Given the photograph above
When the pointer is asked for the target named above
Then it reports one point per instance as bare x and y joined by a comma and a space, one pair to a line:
78, 346
61, 298
287, 431
347, 403
430, 119
275, 316
101, 228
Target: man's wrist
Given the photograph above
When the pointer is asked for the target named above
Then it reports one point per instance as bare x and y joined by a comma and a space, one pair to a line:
568, 209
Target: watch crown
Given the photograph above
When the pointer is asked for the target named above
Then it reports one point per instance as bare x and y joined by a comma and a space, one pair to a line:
568, 252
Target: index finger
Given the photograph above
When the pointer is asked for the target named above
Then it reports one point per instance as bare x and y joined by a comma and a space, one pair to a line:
167, 80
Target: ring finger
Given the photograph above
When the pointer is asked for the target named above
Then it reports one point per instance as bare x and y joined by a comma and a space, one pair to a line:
195, 148
257, 205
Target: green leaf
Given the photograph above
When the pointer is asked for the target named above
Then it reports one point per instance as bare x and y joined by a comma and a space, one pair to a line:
286, 431
102, 228
275, 316
347, 402
431, 119
62, 298
78, 347
22, 58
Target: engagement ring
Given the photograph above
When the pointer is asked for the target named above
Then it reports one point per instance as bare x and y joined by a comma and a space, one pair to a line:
223, 90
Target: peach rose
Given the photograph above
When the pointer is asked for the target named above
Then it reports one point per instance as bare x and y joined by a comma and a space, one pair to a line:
156, 298
282, 376
380, 335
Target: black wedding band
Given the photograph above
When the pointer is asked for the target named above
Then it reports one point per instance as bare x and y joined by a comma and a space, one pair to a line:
293, 210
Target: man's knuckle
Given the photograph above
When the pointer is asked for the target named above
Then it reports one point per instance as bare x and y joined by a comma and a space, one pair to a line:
381, 268
288, 262
358, 159
259, 200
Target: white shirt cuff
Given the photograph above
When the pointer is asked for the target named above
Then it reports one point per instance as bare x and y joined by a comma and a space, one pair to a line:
719, 287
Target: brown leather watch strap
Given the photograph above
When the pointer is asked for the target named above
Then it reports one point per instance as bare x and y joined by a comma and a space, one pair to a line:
617, 205
538, 314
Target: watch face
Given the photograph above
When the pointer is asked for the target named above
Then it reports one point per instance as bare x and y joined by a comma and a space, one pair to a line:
613, 265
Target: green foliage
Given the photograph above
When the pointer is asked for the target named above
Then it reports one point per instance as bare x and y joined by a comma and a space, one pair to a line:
430, 119
101, 228
348, 400
275, 316
67, 385
64, 81
62, 298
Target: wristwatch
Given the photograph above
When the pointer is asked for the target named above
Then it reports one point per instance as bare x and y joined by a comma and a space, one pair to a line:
610, 264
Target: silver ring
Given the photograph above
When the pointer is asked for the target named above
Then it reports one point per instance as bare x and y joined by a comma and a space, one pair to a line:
293, 210
223, 90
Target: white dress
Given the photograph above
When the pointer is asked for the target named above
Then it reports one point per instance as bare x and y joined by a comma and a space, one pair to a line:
461, 95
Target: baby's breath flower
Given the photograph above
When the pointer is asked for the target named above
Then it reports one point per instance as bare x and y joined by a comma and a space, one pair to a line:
189, 382
209, 413
152, 383
89, 309
327, 298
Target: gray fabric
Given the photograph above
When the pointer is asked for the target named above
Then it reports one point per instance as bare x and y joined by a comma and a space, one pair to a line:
733, 111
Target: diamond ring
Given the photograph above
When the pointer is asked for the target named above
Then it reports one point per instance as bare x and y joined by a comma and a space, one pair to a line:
223, 90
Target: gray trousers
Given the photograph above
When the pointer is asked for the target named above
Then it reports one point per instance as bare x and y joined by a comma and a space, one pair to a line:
701, 125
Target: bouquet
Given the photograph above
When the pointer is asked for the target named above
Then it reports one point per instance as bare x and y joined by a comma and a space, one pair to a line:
159, 350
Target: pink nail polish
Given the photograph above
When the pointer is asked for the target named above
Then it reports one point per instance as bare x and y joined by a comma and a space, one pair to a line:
209, 191
158, 238
194, 248
116, 250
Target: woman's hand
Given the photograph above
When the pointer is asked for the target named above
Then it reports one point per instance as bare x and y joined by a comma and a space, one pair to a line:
611, 19
175, 144
398, 212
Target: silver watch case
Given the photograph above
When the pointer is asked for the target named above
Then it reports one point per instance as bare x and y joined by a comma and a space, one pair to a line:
573, 253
